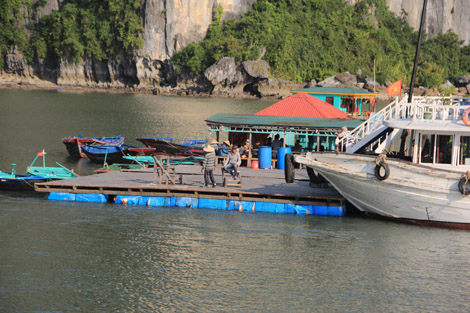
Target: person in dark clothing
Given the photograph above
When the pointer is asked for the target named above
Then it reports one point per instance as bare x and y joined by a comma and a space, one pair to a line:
208, 166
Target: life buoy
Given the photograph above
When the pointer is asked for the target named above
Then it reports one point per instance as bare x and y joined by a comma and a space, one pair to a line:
465, 116
378, 170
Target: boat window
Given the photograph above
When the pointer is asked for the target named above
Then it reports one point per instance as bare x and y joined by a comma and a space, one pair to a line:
427, 148
444, 149
464, 150
436, 149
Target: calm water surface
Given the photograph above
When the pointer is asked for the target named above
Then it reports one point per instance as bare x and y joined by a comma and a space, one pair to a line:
63, 257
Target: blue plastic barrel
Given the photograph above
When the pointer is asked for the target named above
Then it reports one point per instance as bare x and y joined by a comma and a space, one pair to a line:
265, 157
281, 154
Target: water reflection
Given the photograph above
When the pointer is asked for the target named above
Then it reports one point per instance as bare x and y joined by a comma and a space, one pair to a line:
36, 120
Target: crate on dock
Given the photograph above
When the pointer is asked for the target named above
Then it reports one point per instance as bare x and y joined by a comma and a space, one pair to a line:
229, 181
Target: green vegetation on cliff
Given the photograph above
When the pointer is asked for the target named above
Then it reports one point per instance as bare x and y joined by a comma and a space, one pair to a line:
12, 31
314, 39
97, 29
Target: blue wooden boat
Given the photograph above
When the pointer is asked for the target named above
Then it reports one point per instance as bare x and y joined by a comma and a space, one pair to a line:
74, 143
54, 173
108, 154
15, 182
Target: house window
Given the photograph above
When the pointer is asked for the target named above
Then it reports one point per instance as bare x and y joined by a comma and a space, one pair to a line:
330, 100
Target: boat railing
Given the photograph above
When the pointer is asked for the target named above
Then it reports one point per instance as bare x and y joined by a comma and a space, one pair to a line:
374, 122
433, 108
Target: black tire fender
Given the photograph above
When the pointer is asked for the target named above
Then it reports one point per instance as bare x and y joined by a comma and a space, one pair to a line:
289, 170
378, 171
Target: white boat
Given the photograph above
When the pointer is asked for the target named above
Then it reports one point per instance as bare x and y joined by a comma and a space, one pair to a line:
420, 176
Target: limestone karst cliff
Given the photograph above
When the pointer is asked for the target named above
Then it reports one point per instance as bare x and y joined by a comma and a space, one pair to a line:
170, 25
441, 16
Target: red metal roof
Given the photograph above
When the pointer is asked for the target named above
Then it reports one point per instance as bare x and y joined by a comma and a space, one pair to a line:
303, 105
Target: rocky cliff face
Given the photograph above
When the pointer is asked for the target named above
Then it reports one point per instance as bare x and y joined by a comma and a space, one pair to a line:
170, 25
441, 15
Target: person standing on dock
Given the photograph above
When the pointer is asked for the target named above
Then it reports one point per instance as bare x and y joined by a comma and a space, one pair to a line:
232, 162
208, 166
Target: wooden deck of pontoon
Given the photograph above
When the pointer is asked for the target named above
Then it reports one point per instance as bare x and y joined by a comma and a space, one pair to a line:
258, 185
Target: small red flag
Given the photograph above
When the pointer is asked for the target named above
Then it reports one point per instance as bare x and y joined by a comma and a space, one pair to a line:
40, 154
394, 89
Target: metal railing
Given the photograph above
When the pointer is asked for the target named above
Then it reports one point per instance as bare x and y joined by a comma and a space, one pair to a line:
433, 108
374, 122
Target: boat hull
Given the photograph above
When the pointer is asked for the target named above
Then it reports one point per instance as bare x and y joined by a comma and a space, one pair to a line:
110, 157
72, 144
21, 183
412, 193
169, 148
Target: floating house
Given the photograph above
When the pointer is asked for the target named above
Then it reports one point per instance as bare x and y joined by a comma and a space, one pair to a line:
300, 118
350, 100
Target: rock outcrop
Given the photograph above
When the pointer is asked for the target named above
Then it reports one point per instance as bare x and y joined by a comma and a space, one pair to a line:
231, 80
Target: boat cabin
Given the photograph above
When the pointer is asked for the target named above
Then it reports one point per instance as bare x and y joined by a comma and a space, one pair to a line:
430, 131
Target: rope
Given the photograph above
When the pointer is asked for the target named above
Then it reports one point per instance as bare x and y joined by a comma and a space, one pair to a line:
381, 158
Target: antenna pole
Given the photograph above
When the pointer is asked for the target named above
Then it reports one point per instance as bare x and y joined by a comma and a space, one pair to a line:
418, 45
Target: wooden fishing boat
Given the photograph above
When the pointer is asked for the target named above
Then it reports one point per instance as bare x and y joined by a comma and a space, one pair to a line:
73, 143
107, 154
15, 182
54, 173
162, 145
141, 151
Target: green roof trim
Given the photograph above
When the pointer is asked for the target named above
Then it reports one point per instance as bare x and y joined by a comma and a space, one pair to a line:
279, 122
356, 93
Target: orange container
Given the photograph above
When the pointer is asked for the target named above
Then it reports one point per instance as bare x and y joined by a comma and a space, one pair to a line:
254, 165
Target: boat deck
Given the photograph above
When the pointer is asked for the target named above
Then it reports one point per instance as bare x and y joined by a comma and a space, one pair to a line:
257, 185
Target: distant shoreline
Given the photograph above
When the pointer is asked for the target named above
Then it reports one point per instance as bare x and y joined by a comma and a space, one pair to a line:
161, 91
